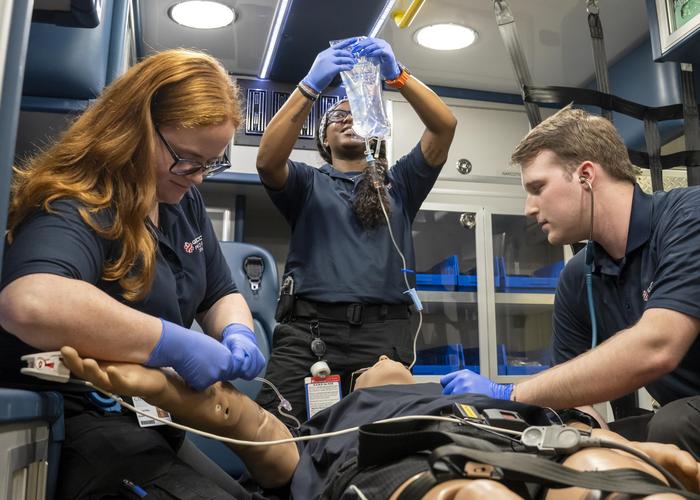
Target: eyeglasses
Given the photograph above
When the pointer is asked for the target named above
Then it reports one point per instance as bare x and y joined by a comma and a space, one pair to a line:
185, 166
355, 375
337, 115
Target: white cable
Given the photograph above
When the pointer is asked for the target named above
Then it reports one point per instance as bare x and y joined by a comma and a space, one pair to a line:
357, 491
241, 442
403, 262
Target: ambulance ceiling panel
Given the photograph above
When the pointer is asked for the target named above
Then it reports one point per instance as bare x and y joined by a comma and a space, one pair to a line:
554, 35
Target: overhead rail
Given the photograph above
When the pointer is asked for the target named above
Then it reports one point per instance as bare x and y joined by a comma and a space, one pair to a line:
509, 33
602, 98
600, 60
404, 18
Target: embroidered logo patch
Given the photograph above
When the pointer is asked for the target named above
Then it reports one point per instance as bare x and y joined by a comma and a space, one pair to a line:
647, 293
195, 244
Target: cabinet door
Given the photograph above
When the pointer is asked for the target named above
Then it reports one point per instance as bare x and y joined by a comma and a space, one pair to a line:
526, 271
446, 244
485, 137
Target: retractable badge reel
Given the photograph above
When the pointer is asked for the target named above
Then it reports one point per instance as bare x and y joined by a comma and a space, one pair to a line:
322, 389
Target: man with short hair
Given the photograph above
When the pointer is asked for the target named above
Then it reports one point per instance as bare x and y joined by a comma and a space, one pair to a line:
645, 279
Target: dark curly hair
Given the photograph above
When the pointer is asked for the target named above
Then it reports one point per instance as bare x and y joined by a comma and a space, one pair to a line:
370, 188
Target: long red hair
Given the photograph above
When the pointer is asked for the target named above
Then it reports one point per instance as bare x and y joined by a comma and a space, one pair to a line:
106, 159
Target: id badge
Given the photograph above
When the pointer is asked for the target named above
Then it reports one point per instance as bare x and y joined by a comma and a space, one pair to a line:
321, 392
152, 411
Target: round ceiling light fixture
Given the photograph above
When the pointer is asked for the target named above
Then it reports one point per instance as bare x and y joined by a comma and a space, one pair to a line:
446, 36
202, 14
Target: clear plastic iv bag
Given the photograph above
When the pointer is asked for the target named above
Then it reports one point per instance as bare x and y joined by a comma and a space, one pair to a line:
364, 88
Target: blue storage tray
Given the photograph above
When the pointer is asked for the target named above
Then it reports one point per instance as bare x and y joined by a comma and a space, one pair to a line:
542, 357
529, 283
433, 369
435, 281
524, 369
442, 276
544, 278
439, 360
468, 280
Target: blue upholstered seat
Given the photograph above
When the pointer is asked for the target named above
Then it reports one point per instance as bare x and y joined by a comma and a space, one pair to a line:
262, 303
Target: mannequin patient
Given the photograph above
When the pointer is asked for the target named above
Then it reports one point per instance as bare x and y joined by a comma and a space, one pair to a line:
222, 409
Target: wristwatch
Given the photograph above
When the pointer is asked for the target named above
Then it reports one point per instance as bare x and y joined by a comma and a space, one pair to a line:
398, 82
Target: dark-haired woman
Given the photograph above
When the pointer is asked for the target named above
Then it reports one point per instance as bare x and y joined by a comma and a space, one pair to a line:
348, 286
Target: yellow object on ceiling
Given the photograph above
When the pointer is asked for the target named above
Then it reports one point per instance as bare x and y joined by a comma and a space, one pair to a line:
404, 18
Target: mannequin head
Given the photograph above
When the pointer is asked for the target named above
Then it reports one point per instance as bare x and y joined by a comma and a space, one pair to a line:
384, 372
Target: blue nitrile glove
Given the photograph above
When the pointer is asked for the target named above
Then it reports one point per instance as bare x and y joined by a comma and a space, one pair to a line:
247, 358
199, 359
380, 51
328, 64
463, 381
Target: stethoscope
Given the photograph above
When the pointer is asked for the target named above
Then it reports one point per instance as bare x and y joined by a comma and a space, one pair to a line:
588, 268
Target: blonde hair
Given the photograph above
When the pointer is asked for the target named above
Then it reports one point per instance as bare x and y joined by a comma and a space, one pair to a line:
576, 136
107, 158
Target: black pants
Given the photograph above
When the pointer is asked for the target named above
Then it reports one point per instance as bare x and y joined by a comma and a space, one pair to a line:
677, 422
102, 450
348, 348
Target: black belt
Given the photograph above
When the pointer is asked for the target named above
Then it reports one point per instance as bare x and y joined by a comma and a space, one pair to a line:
354, 313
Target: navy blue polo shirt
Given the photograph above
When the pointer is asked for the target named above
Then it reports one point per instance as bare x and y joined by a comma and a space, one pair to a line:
191, 272
660, 269
331, 256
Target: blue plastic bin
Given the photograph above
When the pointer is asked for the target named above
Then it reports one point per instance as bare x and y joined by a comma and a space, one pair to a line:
439, 360
467, 282
543, 357
442, 276
543, 279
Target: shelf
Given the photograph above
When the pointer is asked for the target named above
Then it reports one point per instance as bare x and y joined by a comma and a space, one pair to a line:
524, 298
501, 298
433, 296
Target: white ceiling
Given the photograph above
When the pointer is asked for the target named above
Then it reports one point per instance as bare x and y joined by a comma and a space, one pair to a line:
554, 34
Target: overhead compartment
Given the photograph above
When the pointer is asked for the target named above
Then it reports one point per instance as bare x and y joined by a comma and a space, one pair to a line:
486, 135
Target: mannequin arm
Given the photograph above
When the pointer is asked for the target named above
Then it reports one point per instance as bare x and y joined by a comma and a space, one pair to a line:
220, 409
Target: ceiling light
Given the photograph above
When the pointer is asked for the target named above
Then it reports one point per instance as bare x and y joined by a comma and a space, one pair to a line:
445, 36
382, 17
203, 15
272, 42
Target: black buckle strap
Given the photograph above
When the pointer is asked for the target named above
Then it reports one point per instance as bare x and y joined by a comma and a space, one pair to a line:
531, 468
382, 443
355, 314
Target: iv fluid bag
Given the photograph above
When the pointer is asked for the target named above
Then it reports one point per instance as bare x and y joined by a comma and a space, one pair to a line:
364, 88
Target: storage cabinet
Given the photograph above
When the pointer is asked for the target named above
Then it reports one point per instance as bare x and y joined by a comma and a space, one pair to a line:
487, 282
486, 135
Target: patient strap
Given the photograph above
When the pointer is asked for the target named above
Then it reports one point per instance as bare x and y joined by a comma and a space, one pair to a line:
652, 159
452, 452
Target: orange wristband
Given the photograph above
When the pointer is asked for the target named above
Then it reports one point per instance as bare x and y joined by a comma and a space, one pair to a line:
398, 82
